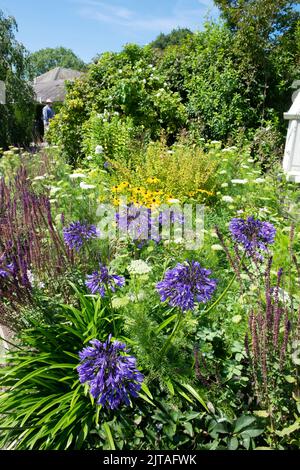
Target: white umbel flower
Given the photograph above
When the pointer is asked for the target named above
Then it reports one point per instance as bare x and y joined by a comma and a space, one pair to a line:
99, 149
227, 199
237, 181
139, 267
86, 186
75, 176
217, 247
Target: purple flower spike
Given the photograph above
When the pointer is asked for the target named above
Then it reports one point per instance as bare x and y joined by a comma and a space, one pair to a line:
6, 270
186, 284
252, 234
77, 233
111, 374
100, 281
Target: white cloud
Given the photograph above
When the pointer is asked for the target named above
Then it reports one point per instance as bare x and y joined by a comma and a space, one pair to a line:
189, 13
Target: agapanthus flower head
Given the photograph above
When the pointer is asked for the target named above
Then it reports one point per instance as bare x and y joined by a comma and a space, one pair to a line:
254, 235
187, 284
110, 372
77, 233
99, 282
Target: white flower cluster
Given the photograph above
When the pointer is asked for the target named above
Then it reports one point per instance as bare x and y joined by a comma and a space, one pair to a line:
99, 149
139, 267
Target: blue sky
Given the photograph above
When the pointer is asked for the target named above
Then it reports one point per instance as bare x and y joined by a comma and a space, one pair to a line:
93, 26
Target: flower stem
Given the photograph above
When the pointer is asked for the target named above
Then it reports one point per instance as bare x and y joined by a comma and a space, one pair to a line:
226, 289
112, 311
172, 335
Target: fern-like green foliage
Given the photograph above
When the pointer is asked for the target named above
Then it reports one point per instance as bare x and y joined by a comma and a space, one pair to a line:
149, 329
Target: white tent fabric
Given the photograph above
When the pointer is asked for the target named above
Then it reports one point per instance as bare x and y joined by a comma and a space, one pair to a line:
291, 159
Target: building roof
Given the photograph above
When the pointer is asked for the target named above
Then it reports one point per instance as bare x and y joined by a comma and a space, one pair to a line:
51, 85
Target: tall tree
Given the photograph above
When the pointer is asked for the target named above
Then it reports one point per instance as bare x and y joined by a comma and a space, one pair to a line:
266, 47
174, 38
46, 59
16, 116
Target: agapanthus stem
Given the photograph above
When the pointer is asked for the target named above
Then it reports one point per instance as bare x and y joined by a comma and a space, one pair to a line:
111, 309
172, 335
223, 294
225, 290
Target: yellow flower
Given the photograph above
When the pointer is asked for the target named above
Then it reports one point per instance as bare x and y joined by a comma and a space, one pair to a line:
116, 201
138, 190
155, 201
152, 180
209, 193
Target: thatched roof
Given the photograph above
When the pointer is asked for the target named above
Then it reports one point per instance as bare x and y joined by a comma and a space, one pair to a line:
51, 85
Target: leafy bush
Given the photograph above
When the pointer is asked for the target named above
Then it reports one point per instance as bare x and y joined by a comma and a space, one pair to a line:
126, 83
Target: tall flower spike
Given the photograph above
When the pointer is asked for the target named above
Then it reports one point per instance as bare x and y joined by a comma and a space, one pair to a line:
111, 374
77, 233
186, 284
100, 281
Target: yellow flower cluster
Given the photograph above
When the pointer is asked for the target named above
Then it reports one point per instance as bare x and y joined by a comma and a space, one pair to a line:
140, 195
202, 191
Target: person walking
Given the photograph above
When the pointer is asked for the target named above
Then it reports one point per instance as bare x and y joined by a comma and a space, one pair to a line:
48, 114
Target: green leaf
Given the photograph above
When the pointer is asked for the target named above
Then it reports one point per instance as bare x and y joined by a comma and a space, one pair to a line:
261, 413
170, 387
184, 395
233, 443
289, 430
243, 422
145, 398
252, 432
166, 322
146, 390
247, 442
290, 379
189, 428
195, 395
69, 441
109, 436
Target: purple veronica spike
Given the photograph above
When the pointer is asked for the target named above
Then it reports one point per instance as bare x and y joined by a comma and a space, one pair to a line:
111, 374
186, 284
253, 234
99, 281
77, 233
6, 270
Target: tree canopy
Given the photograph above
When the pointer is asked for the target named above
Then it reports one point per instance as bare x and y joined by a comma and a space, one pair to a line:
16, 116
46, 59
174, 38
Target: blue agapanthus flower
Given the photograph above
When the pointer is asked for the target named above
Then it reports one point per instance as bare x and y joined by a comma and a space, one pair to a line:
100, 281
186, 284
77, 233
252, 234
110, 373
